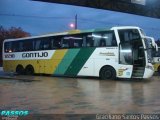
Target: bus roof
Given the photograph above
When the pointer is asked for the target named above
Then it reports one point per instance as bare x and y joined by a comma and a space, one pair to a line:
70, 32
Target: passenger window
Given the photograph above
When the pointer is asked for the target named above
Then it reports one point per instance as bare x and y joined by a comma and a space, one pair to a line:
15, 46
72, 41
46, 44
21, 45
102, 43
89, 41
104, 39
128, 35
78, 42
97, 37
56, 43
8, 46
27, 45
65, 43
37, 44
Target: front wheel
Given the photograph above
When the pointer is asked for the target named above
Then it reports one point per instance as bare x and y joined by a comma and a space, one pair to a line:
107, 72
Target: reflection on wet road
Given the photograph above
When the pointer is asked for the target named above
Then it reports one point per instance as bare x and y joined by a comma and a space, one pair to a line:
80, 95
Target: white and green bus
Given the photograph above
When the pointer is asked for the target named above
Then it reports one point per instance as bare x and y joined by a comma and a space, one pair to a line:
117, 52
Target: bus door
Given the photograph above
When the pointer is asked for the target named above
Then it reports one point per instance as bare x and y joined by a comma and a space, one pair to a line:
131, 51
126, 54
125, 49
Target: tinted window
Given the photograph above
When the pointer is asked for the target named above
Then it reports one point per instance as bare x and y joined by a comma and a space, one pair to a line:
27, 45
37, 43
102, 39
18, 46
128, 35
59, 42
55, 42
46, 44
89, 42
8, 46
157, 53
15, 46
73, 41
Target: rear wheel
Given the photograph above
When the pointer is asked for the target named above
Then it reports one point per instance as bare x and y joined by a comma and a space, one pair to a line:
107, 72
20, 70
29, 70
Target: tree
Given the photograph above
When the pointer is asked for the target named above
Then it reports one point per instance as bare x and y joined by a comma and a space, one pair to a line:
10, 33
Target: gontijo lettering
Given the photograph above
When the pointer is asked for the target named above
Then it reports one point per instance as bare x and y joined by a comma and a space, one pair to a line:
11, 113
36, 54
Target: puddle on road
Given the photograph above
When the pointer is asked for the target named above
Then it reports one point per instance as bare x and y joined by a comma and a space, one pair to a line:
62, 95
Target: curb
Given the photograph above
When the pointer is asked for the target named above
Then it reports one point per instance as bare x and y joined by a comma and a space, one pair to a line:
16, 78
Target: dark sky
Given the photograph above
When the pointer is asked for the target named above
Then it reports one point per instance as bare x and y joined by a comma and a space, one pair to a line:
40, 18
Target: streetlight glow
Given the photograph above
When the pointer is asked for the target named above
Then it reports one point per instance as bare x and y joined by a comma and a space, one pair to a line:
72, 25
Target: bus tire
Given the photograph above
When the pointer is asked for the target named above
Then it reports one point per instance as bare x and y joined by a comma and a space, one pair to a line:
158, 69
29, 70
107, 72
20, 70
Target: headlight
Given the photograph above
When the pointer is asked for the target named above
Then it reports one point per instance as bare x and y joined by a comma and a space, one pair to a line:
150, 67
150, 61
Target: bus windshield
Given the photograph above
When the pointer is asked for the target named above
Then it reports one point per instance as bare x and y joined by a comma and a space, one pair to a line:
157, 53
142, 32
149, 48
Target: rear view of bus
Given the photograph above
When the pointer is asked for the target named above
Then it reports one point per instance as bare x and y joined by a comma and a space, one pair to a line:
117, 52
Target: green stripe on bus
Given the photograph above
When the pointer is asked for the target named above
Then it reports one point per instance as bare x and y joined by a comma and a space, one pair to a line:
79, 61
66, 61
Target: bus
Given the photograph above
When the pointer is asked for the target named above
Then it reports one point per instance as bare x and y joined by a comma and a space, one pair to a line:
156, 60
117, 52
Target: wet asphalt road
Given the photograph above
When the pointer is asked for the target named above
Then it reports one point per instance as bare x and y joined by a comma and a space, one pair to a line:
59, 95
